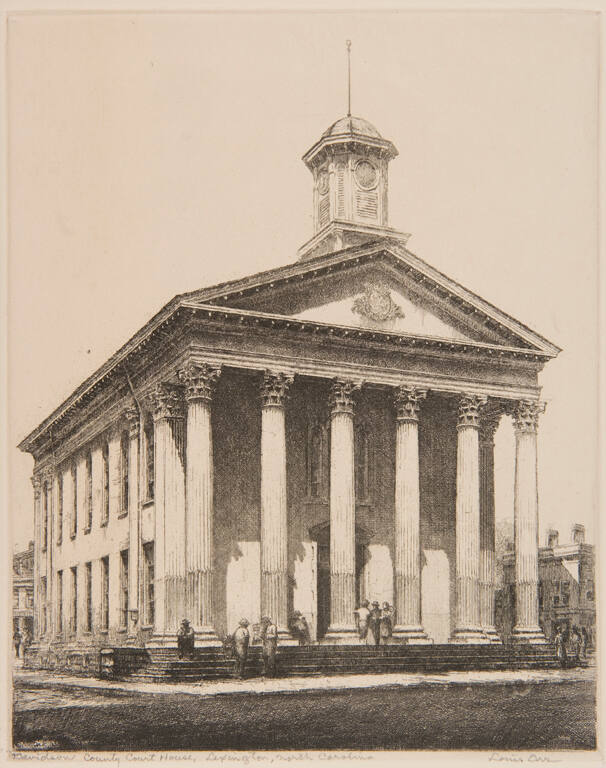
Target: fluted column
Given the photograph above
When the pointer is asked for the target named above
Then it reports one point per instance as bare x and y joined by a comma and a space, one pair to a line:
467, 627
407, 517
134, 523
488, 425
526, 523
169, 503
199, 380
37, 486
274, 510
342, 515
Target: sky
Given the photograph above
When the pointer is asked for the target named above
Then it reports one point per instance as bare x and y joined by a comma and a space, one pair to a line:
153, 154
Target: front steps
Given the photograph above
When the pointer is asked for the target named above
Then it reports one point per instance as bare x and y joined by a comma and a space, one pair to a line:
163, 665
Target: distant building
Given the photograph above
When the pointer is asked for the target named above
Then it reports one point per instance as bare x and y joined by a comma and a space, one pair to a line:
566, 586
23, 591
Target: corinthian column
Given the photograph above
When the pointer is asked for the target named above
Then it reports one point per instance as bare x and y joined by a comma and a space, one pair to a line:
274, 510
199, 383
169, 503
407, 517
488, 426
468, 628
134, 522
342, 515
38, 596
526, 523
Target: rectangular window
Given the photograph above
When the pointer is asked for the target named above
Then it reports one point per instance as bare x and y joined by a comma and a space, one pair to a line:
89, 493
124, 470
44, 611
105, 593
148, 584
105, 461
45, 505
74, 521
124, 589
149, 458
88, 575
60, 508
59, 602
73, 614
565, 591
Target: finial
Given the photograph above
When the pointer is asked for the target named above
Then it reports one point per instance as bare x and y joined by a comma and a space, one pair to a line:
348, 43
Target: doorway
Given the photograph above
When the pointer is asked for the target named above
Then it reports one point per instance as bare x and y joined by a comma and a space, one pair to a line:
321, 534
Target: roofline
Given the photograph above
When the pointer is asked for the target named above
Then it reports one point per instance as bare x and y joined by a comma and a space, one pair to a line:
342, 331
378, 245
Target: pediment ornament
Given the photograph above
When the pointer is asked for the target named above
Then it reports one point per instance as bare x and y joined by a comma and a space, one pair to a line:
377, 304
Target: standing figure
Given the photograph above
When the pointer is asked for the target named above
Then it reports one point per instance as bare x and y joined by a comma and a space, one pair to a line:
584, 643
185, 640
375, 622
386, 623
575, 646
17, 641
362, 617
300, 628
560, 647
269, 637
241, 638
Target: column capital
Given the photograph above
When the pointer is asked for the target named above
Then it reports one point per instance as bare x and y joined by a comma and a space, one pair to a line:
131, 414
167, 402
489, 422
274, 388
48, 474
408, 402
341, 395
37, 484
526, 415
199, 380
469, 408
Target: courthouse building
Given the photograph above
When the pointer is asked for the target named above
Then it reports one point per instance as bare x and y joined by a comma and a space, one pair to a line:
300, 439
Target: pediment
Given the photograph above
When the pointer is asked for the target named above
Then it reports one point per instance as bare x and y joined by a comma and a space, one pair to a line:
379, 286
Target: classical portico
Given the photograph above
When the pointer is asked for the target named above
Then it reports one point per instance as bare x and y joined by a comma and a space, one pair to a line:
297, 440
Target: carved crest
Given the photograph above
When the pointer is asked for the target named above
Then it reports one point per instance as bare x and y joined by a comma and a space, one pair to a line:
376, 304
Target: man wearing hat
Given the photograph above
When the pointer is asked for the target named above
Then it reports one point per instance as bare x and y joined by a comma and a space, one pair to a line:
269, 636
185, 639
241, 640
374, 622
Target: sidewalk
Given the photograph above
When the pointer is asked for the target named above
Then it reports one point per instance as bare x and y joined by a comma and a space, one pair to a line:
41, 679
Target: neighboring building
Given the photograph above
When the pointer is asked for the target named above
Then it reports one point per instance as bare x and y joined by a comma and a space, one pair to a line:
23, 591
566, 586
297, 439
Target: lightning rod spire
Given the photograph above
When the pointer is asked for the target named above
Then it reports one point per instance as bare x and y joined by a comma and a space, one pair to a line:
348, 43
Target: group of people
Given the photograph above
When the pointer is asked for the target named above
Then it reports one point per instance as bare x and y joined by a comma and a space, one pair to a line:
375, 623
571, 645
237, 644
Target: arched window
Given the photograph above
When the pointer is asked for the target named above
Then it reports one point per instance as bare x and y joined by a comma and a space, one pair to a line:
362, 453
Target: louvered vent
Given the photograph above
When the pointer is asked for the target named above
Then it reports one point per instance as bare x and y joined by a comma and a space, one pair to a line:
340, 191
323, 211
366, 204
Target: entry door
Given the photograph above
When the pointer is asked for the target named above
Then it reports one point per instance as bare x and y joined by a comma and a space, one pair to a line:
323, 589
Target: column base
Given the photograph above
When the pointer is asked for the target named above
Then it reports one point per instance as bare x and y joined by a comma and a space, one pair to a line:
528, 636
410, 636
492, 634
341, 636
469, 637
285, 637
